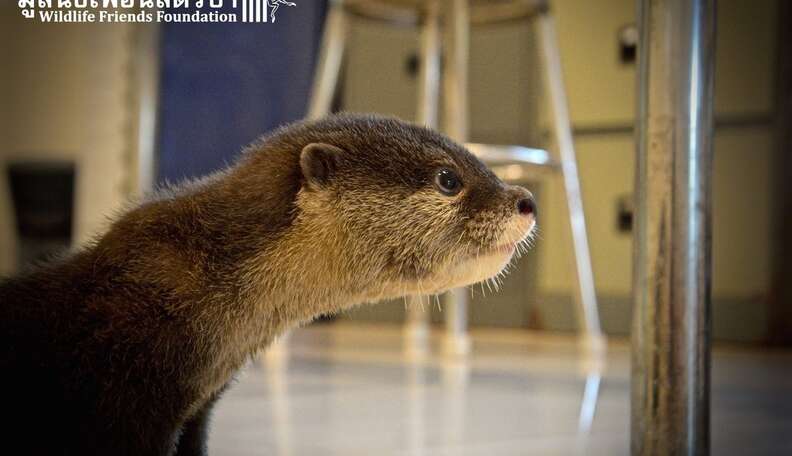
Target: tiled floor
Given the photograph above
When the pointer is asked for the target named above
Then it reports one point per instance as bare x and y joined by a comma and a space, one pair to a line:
349, 390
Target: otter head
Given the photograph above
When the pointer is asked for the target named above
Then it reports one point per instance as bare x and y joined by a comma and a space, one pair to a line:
417, 213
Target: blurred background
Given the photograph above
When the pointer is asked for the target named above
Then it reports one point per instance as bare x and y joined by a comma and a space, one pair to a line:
105, 111
95, 114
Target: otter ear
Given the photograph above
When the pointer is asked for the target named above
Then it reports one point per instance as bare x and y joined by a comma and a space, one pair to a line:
319, 161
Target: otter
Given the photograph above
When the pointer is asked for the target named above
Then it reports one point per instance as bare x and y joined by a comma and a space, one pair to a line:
123, 346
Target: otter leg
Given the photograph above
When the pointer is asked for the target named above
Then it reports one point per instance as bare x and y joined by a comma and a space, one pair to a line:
195, 432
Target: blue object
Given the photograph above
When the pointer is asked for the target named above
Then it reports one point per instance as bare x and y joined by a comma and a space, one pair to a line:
224, 85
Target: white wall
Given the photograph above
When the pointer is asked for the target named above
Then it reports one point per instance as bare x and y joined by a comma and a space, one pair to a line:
68, 95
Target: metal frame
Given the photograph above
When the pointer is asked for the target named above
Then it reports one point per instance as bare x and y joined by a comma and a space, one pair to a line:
411, 12
585, 294
456, 125
672, 270
146, 81
458, 21
417, 324
331, 57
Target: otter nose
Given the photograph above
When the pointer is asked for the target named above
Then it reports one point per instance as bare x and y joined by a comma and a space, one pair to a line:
526, 206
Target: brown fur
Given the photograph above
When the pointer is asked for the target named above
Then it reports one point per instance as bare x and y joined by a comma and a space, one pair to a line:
123, 346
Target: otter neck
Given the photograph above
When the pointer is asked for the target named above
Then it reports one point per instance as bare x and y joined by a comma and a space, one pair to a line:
307, 272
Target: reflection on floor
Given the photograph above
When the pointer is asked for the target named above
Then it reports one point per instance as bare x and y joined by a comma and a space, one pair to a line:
348, 390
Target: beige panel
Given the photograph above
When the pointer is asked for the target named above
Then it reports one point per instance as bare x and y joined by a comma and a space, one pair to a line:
602, 90
606, 170
7, 250
503, 78
103, 182
376, 77
504, 97
741, 214
745, 58
68, 98
46, 89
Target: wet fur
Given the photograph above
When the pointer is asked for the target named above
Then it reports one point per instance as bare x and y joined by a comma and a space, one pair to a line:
124, 346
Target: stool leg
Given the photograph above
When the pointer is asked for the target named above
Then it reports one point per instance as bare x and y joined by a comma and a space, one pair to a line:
456, 341
417, 325
328, 67
672, 306
456, 69
585, 296
326, 74
429, 88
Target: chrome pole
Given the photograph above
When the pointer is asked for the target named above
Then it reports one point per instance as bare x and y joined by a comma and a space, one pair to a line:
457, 24
429, 84
457, 55
417, 324
146, 74
328, 66
585, 294
671, 327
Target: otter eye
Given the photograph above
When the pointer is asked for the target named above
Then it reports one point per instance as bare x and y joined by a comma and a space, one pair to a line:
448, 182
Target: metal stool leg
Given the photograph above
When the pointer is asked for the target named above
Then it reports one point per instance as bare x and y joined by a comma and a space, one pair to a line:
457, 341
671, 333
455, 81
585, 296
328, 67
417, 324
429, 88
326, 74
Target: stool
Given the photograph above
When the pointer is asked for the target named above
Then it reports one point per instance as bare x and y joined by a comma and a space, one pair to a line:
446, 24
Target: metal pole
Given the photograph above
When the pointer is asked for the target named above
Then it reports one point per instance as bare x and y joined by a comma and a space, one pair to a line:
671, 327
147, 72
455, 87
585, 294
328, 67
457, 341
429, 88
417, 324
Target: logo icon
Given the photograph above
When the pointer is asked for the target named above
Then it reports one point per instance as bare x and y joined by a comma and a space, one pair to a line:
256, 10
275, 4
